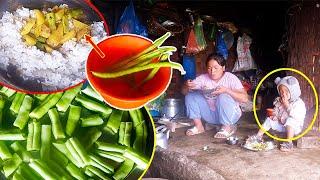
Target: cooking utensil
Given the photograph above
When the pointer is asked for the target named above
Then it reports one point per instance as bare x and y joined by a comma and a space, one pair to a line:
162, 134
173, 108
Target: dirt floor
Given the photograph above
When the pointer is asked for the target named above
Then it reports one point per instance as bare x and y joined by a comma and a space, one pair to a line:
234, 162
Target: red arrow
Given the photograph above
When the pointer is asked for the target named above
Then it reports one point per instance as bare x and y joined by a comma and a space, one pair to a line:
95, 47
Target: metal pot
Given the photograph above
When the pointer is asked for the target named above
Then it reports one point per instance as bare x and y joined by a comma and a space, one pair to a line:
162, 134
173, 108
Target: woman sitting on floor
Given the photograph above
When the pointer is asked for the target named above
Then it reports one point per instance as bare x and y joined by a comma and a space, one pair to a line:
214, 97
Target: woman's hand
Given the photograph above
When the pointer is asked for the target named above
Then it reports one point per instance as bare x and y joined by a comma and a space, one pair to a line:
220, 90
190, 85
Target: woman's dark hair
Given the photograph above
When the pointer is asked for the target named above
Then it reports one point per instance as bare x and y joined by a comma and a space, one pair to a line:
220, 60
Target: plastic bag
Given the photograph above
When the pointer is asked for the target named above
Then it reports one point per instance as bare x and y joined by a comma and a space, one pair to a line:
213, 32
196, 40
245, 60
129, 22
189, 65
192, 45
198, 30
221, 46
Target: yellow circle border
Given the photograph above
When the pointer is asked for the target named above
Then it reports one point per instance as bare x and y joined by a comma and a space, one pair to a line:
316, 108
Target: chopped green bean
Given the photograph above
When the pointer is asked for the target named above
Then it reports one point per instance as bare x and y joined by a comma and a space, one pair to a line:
124, 170
59, 157
11, 135
16, 103
43, 169
28, 172
110, 147
97, 172
4, 151
56, 124
91, 137
93, 105
64, 150
65, 101
58, 169
21, 151
138, 158
2, 104
23, 114
73, 119
125, 133
80, 150
115, 120
11, 165
44, 107
92, 120
34, 136
115, 156
45, 141
41, 97
75, 172
89, 91
101, 163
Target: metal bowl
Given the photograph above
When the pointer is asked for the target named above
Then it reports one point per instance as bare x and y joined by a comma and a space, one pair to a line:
232, 140
11, 77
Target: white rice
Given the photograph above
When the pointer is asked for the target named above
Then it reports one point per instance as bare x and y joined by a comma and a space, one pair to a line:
57, 70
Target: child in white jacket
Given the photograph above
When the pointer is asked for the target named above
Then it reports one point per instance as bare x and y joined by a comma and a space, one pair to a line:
289, 111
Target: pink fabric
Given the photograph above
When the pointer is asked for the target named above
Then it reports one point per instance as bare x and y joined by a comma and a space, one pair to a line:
205, 84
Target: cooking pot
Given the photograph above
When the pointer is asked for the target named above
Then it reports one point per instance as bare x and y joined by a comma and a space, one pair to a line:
173, 108
162, 134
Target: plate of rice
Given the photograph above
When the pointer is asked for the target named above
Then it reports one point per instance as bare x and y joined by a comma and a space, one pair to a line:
42, 47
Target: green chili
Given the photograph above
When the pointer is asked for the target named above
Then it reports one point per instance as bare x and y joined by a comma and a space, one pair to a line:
56, 124
138, 69
89, 91
23, 115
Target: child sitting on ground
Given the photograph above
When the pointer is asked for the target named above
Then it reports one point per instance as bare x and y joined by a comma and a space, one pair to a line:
288, 113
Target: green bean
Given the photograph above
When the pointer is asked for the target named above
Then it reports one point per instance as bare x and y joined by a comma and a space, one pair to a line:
91, 137
7, 92
102, 163
17, 176
63, 174
123, 170
56, 124
148, 78
74, 154
4, 151
59, 157
75, 172
66, 99
23, 114
64, 150
110, 147
2, 104
125, 133
138, 158
80, 150
16, 103
115, 120
97, 165
28, 172
11, 135
21, 151
43, 170
115, 156
45, 141
97, 172
34, 136
73, 119
93, 105
158, 42
89, 91
41, 97
138, 69
92, 120
11, 165
44, 107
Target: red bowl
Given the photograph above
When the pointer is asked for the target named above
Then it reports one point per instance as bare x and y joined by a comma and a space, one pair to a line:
120, 92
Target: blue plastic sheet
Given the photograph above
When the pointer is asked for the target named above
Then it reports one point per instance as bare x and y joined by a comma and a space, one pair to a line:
129, 22
221, 46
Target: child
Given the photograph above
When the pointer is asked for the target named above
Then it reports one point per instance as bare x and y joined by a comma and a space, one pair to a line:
288, 113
